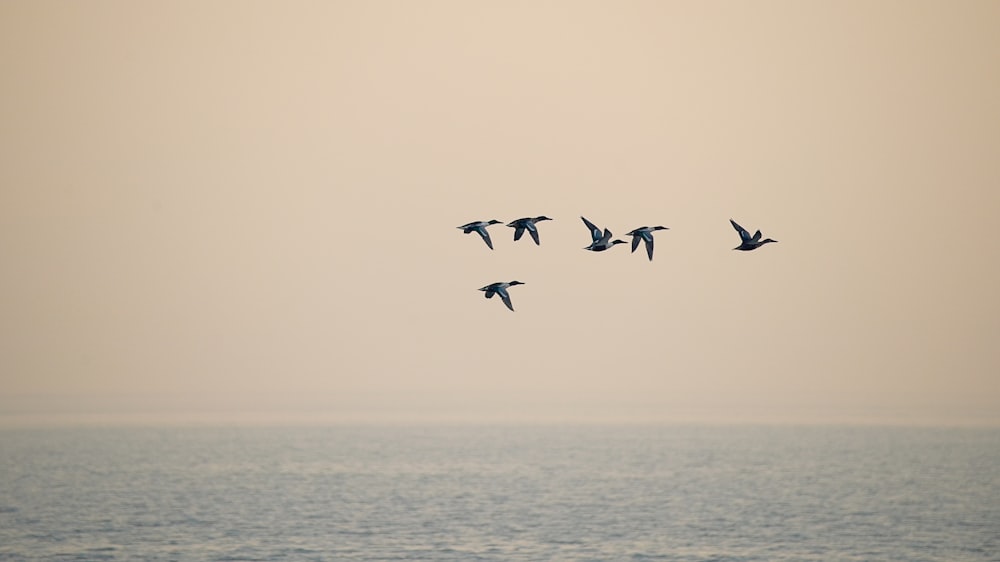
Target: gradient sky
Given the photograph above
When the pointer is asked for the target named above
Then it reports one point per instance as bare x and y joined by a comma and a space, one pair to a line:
249, 209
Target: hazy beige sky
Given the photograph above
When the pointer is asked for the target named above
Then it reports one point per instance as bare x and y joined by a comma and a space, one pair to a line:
249, 208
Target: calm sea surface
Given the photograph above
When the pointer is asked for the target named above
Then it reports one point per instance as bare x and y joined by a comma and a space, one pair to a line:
501, 493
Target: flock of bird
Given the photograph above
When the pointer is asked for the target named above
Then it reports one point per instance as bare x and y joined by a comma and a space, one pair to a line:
601, 240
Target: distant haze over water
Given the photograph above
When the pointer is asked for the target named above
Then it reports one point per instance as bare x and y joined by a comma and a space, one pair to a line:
63, 410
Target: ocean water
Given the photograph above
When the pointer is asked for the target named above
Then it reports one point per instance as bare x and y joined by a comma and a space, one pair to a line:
677, 493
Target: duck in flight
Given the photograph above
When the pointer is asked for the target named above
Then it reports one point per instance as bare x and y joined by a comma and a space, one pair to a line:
748, 242
600, 241
645, 233
500, 288
479, 227
527, 223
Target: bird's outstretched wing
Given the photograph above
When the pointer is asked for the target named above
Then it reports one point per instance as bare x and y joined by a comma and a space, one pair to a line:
743, 232
604, 239
595, 233
518, 232
534, 235
486, 237
756, 236
649, 247
505, 296
635, 241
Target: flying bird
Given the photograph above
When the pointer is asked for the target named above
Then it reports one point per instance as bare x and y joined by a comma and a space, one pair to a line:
748, 242
645, 233
500, 288
600, 241
479, 227
527, 223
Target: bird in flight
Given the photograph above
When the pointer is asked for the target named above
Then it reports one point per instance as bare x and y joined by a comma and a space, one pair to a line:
600, 241
748, 242
500, 288
527, 223
479, 227
645, 233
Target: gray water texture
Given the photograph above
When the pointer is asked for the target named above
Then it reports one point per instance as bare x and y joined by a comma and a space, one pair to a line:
505, 493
